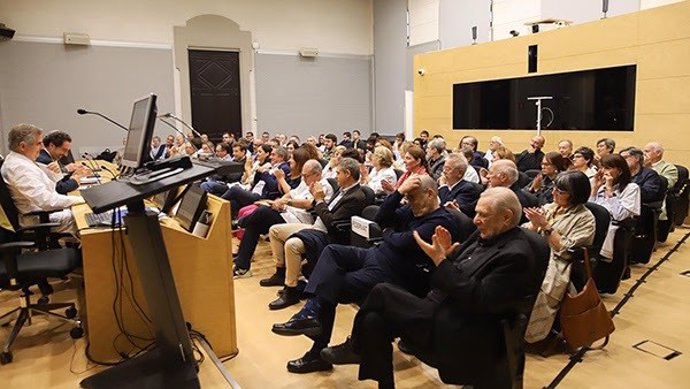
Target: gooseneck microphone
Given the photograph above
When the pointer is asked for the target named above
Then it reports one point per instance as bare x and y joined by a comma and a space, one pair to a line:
82, 111
98, 178
109, 171
170, 115
177, 130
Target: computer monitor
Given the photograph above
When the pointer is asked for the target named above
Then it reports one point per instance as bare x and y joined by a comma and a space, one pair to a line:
140, 132
193, 203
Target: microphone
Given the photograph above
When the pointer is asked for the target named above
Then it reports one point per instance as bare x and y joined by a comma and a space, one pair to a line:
98, 178
82, 111
170, 115
90, 158
109, 171
177, 130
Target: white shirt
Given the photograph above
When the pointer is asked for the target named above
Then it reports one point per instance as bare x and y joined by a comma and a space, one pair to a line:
376, 176
31, 188
299, 215
471, 175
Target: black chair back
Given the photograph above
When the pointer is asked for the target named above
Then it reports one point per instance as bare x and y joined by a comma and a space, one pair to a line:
602, 219
532, 173
682, 196
369, 195
334, 184
398, 173
465, 224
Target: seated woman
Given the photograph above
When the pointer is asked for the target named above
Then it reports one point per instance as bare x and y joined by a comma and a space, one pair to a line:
415, 163
583, 160
381, 160
565, 223
614, 191
552, 164
329, 171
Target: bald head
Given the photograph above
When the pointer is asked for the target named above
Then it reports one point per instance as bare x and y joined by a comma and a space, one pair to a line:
424, 198
503, 173
653, 153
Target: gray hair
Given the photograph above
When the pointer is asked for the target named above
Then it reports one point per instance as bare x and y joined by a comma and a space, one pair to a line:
281, 151
507, 168
26, 133
427, 182
458, 161
635, 152
439, 144
656, 146
610, 143
351, 166
313, 166
505, 199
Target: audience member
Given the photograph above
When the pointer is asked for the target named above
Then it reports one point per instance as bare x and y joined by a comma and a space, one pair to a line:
346, 274
415, 163
157, 149
453, 190
292, 243
458, 323
504, 173
542, 184
424, 137
647, 179
565, 224
357, 141
565, 148
347, 142
605, 146
494, 144
330, 142
435, 153
531, 158
469, 142
381, 160
583, 160
614, 191
329, 170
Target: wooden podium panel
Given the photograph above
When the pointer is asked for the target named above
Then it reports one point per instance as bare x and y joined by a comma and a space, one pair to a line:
202, 269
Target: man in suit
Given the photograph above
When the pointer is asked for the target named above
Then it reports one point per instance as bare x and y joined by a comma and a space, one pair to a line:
56, 145
504, 173
435, 156
647, 179
346, 274
453, 190
457, 324
289, 249
478, 161
357, 141
346, 141
530, 159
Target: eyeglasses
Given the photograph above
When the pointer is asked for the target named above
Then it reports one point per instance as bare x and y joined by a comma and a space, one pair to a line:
560, 191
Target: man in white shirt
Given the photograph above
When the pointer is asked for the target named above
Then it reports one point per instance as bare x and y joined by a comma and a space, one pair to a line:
30, 187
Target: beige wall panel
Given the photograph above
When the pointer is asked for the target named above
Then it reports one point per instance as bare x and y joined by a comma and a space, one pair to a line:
665, 59
665, 23
663, 95
663, 77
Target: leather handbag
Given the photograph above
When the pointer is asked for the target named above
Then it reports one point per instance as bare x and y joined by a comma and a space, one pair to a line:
584, 318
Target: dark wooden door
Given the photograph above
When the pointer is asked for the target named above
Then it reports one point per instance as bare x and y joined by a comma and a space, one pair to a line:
214, 78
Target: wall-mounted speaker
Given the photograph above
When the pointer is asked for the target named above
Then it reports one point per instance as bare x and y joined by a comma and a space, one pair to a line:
532, 59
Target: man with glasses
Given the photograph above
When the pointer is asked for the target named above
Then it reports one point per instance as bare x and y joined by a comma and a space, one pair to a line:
290, 242
453, 190
647, 179
469, 142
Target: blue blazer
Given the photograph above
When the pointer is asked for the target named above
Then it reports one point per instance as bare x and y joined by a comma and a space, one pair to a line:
465, 193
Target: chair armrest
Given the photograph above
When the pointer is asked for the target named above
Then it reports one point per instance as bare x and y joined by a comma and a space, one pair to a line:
17, 245
38, 226
342, 225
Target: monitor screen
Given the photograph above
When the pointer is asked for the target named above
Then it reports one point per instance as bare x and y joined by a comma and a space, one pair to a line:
193, 203
140, 132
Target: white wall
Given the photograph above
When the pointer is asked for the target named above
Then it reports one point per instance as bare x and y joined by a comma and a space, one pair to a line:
332, 26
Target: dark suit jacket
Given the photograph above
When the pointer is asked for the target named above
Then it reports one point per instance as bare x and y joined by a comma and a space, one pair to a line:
486, 281
478, 161
650, 185
399, 253
465, 193
352, 203
529, 161
66, 184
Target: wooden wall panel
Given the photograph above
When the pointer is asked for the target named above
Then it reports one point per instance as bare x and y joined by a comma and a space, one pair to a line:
656, 40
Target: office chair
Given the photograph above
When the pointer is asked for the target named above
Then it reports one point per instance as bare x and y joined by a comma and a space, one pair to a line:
20, 270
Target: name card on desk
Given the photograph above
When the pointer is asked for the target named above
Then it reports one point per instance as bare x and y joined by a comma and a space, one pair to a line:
360, 226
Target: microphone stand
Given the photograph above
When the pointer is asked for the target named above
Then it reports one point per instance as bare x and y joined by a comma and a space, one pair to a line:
85, 112
177, 130
195, 132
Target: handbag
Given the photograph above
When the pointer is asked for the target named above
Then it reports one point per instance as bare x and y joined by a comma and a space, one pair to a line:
584, 318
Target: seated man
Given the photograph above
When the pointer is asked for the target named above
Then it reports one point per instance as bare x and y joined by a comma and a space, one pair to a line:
458, 324
289, 249
530, 159
647, 179
31, 188
346, 274
290, 208
454, 191
56, 144
504, 173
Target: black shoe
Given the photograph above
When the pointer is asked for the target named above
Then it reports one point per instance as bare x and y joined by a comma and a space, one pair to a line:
277, 279
342, 354
290, 296
298, 325
301, 285
309, 363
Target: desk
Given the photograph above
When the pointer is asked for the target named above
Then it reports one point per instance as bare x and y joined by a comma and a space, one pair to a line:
202, 269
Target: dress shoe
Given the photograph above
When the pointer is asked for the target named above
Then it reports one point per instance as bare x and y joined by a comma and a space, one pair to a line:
290, 296
277, 279
341, 354
295, 326
309, 363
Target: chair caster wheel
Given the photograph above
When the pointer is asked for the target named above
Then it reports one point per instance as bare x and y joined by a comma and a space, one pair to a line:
76, 332
71, 313
5, 358
43, 300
